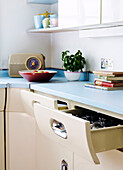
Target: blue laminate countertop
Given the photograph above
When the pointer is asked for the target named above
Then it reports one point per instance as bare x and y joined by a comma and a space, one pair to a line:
3, 84
6, 81
75, 91
14, 82
22, 83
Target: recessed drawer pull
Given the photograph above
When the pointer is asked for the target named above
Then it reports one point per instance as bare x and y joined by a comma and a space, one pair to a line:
59, 129
33, 102
30, 98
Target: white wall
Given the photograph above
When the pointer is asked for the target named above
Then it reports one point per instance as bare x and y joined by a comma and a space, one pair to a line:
93, 49
16, 16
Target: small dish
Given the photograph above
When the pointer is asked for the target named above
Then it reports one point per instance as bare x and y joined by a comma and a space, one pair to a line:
35, 76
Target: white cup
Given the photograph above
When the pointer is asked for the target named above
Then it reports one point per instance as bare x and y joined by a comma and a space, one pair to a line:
38, 21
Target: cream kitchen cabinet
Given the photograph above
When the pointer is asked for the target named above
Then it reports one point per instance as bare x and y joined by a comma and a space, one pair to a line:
111, 160
2, 130
21, 134
77, 135
21, 141
27, 148
2, 160
112, 11
40, 136
88, 147
74, 13
52, 155
49, 153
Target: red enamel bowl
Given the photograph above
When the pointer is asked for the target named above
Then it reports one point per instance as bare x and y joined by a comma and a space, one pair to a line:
37, 77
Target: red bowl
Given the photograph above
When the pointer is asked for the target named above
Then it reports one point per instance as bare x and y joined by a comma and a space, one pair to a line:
37, 77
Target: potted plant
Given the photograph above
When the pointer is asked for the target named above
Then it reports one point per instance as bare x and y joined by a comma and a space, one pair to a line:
73, 64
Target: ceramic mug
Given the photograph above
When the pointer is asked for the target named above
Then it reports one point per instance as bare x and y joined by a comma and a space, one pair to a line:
46, 23
54, 20
38, 21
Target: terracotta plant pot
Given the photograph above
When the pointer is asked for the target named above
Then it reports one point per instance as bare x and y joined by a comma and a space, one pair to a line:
72, 76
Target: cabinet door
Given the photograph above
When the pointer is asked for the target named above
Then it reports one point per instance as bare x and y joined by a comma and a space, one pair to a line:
21, 141
50, 154
89, 12
74, 13
2, 99
1, 141
112, 11
110, 160
68, 11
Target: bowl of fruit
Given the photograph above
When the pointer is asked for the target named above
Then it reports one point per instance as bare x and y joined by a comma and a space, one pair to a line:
37, 75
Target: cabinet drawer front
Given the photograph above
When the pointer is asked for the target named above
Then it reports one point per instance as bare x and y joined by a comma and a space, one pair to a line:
2, 99
1, 141
78, 137
51, 154
29, 98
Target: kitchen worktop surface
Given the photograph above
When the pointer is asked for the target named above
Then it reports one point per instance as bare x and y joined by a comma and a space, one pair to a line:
14, 82
3, 84
22, 83
75, 91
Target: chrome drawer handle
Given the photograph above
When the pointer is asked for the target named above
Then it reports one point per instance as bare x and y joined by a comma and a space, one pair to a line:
59, 129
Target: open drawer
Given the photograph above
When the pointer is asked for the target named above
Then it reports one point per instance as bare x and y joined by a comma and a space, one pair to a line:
29, 98
75, 133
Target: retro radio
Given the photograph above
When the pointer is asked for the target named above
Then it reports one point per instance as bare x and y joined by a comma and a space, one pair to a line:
19, 62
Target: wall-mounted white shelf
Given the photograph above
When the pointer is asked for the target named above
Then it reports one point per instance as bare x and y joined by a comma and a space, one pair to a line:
91, 31
42, 1
52, 30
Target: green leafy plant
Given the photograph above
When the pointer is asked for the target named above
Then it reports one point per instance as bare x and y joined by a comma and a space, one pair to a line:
73, 62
